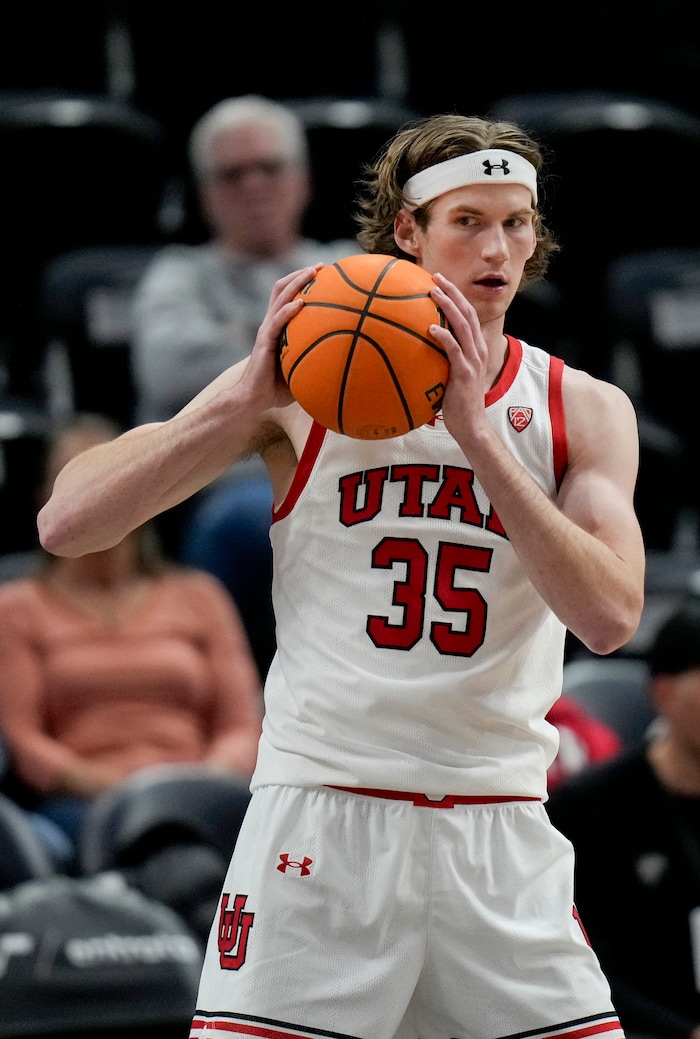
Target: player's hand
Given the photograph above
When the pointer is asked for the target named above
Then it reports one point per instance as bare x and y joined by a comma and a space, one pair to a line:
463, 404
263, 371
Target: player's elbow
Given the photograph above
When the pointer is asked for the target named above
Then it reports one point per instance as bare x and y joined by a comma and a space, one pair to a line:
49, 531
610, 630
55, 533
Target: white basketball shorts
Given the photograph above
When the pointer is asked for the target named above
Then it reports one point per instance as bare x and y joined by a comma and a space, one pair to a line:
355, 916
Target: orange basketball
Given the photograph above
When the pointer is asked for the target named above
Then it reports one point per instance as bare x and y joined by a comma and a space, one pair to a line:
358, 356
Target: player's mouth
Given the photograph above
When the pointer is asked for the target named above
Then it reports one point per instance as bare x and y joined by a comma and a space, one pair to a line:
491, 281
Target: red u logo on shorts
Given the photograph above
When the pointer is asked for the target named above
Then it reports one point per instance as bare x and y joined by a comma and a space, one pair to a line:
234, 927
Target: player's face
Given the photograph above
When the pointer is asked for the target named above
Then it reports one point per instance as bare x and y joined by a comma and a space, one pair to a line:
254, 197
480, 238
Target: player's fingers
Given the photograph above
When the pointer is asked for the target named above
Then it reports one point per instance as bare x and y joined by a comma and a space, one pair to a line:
460, 315
451, 296
274, 322
285, 302
288, 286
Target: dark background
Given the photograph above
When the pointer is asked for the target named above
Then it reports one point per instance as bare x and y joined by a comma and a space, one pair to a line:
186, 55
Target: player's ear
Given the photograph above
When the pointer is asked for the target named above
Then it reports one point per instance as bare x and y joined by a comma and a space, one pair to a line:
405, 232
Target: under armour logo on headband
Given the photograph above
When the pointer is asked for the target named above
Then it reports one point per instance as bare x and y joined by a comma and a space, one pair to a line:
471, 168
491, 166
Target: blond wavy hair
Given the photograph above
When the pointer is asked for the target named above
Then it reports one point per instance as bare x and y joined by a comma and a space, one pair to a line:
425, 143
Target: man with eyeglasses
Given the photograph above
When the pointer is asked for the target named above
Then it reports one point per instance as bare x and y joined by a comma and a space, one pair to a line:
198, 309
199, 306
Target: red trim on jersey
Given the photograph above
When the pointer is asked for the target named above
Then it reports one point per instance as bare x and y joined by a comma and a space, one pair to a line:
201, 1026
556, 415
508, 372
205, 1026
594, 1028
306, 463
236, 1028
423, 801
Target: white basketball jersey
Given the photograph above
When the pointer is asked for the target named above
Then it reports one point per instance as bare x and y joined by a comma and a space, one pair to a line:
413, 651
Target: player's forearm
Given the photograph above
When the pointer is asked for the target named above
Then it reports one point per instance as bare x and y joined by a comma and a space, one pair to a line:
597, 594
113, 488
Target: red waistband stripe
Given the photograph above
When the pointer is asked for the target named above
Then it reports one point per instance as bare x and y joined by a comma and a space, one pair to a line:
424, 801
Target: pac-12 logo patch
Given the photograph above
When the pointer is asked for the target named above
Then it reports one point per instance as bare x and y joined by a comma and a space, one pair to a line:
234, 928
519, 417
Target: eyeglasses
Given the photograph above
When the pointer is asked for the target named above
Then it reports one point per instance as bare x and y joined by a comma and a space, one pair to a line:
233, 175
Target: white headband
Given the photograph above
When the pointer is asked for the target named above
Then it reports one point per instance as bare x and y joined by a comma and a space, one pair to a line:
492, 166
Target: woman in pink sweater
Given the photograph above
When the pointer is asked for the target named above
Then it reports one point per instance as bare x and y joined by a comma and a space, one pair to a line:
117, 660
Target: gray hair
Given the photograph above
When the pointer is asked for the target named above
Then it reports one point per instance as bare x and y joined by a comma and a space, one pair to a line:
243, 111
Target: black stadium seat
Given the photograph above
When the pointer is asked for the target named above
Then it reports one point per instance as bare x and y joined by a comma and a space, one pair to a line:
23, 857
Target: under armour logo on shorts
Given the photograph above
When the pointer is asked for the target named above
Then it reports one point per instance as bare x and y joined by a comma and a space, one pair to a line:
286, 863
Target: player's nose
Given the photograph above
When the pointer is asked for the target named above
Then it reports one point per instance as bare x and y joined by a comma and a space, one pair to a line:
494, 243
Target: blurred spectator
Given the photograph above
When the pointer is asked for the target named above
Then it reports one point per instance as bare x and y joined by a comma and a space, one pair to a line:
635, 825
583, 740
116, 661
198, 309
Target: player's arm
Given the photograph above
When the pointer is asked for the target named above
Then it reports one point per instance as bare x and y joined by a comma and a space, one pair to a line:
111, 489
584, 552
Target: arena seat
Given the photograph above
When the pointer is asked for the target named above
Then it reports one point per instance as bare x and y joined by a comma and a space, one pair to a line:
344, 133
78, 170
652, 310
170, 829
23, 857
615, 691
85, 310
146, 809
86, 957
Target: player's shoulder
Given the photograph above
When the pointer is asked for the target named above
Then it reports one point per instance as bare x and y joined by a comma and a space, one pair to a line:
582, 392
595, 396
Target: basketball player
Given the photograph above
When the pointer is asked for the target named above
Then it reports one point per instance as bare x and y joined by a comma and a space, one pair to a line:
397, 876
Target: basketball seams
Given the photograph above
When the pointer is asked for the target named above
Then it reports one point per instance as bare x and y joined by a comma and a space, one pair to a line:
386, 297
309, 349
389, 370
365, 313
338, 266
373, 292
383, 375
362, 313
344, 382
